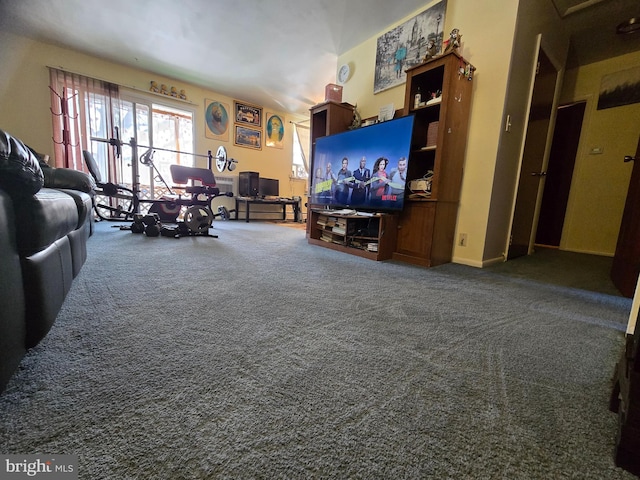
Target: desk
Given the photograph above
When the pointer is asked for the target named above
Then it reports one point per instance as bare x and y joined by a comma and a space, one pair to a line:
248, 201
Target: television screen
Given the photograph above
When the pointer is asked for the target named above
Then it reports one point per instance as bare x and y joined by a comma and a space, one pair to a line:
364, 168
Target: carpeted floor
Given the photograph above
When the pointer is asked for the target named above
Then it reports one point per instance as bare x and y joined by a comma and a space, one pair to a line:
256, 355
567, 269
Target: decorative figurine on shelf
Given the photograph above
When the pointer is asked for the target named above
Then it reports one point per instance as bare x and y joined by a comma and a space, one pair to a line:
469, 72
432, 51
357, 119
435, 97
154, 87
183, 95
454, 42
163, 89
174, 92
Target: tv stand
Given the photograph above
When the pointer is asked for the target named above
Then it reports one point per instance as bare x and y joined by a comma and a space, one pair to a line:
371, 236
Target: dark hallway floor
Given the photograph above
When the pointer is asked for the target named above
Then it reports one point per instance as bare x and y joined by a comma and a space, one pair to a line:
569, 269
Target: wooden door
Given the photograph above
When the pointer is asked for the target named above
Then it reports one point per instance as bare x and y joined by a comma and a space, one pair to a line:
533, 157
626, 261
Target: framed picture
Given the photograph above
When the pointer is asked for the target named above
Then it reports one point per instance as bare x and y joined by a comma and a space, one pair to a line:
216, 116
406, 46
248, 114
248, 137
620, 88
274, 126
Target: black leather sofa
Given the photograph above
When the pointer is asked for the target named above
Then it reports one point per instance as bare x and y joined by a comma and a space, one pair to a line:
46, 220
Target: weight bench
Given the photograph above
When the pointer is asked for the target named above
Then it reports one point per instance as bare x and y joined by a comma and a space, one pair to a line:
198, 216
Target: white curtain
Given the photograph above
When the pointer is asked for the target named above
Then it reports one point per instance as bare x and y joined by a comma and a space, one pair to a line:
304, 138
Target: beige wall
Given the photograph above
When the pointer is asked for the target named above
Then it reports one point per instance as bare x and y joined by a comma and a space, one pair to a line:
538, 26
25, 104
600, 182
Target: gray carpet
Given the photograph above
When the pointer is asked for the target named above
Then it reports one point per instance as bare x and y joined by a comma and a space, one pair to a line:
256, 355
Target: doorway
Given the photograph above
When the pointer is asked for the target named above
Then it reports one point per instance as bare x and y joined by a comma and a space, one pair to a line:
562, 159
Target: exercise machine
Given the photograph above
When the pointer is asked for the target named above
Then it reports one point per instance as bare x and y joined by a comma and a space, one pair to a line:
197, 188
122, 202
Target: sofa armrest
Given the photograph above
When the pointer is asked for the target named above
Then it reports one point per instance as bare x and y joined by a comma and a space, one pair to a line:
68, 178
20, 172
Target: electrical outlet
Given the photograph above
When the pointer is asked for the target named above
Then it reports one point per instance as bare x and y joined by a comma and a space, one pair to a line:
462, 240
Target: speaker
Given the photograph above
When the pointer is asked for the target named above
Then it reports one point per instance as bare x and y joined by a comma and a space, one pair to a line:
248, 184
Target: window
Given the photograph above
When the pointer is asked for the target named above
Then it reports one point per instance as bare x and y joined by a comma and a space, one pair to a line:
300, 165
167, 131
88, 114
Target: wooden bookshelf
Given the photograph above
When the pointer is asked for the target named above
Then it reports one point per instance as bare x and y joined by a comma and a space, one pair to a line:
427, 224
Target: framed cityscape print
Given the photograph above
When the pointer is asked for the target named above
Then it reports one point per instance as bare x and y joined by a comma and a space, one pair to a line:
216, 117
248, 114
274, 129
406, 45
248, 137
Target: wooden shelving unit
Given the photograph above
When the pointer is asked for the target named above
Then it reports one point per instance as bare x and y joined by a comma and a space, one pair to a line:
371, 237
327, 118
426, 226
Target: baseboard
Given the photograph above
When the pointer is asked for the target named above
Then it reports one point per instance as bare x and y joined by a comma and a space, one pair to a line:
473, 263
588, 252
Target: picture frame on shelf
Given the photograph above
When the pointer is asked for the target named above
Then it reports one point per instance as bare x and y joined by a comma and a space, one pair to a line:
274, 126
246, 114
248, 137
216, 116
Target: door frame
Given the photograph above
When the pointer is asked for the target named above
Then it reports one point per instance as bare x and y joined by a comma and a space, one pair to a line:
540, 47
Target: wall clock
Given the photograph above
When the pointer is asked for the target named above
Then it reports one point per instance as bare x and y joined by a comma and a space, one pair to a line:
343, 73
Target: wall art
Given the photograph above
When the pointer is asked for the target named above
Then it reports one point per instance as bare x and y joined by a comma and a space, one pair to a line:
248, 137
216, 116
248, 114
274, 126
406, 45
620, 88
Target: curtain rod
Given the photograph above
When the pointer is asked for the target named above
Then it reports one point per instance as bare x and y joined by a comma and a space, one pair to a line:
61, 68
298, 124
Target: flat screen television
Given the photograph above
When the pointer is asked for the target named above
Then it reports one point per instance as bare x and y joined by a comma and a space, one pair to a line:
363, 169
268, 187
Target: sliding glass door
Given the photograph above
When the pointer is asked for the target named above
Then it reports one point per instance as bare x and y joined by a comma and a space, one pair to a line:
164, 135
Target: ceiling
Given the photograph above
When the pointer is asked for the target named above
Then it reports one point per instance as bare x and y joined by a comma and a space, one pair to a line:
279, 54
592, 26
